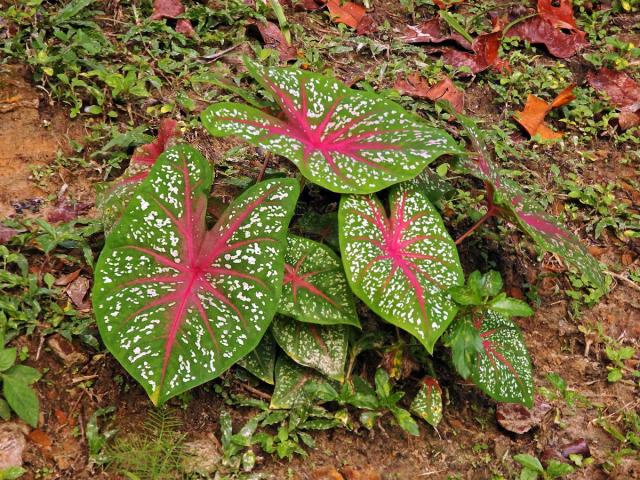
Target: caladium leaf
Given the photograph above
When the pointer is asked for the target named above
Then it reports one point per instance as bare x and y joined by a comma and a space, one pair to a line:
291, 379
401, 265
513, 204
261, 362
322, 347
503, 369
427, 404
315, 289
113, 197
345, 140
176, 304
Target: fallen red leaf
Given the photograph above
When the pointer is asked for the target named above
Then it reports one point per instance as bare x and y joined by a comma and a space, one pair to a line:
77, 290
65, 211
535, 110
310, 5
68, 278
274, 39
553, 27
366, 25
184, 27
7, 233
416, 86
519, 419
433, 31
443, 5
579, 447
40, 438
560, 16
326, 473
348, 13
166, 9
623, 91
485, 54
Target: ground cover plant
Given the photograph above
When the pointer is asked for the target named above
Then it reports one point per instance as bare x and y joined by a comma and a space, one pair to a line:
320, 228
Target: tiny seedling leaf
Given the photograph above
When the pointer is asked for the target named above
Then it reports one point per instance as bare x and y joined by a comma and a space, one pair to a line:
427, 404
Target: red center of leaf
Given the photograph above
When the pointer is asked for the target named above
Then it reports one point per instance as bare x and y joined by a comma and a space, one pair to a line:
321, 137
395, 248
299, 280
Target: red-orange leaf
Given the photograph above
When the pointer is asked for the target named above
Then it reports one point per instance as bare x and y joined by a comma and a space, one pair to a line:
535, 110
348, 13
417, 86
623, 91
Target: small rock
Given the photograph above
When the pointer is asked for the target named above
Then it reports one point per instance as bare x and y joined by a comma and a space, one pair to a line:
12, 443
326, 473
202, 457
66, 351
352, 473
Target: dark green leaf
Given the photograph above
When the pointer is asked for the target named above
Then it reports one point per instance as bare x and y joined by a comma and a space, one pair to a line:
7, 358
527, 461
510, 307
22, 399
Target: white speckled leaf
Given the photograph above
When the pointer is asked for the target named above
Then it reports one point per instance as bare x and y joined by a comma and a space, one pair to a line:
322, 347
526, 213
402, 265
176, 304
290, 381
315, 289
532, 219
503, 371
261, 362
345, 140
427, 404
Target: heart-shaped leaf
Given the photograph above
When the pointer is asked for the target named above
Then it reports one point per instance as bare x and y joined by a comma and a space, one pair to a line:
401, 265
516, 206
345, 140
428, 402
322, 347
315, 289
291, 379
261, 362
176, 304
503, 370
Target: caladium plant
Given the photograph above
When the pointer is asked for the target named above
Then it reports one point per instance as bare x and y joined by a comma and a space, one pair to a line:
401, 265
321, 347
178, 304
291, 380
345, 140
502, 369
315, 289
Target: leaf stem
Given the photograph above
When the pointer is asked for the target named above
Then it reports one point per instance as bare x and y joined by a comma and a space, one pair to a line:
492, 210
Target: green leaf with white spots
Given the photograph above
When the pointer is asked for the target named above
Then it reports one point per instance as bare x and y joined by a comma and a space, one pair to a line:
261, 362
345, 140
178, 304
502, 369
427, 404
315, 289
401, 265
291, 379
322, 347
516, 206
